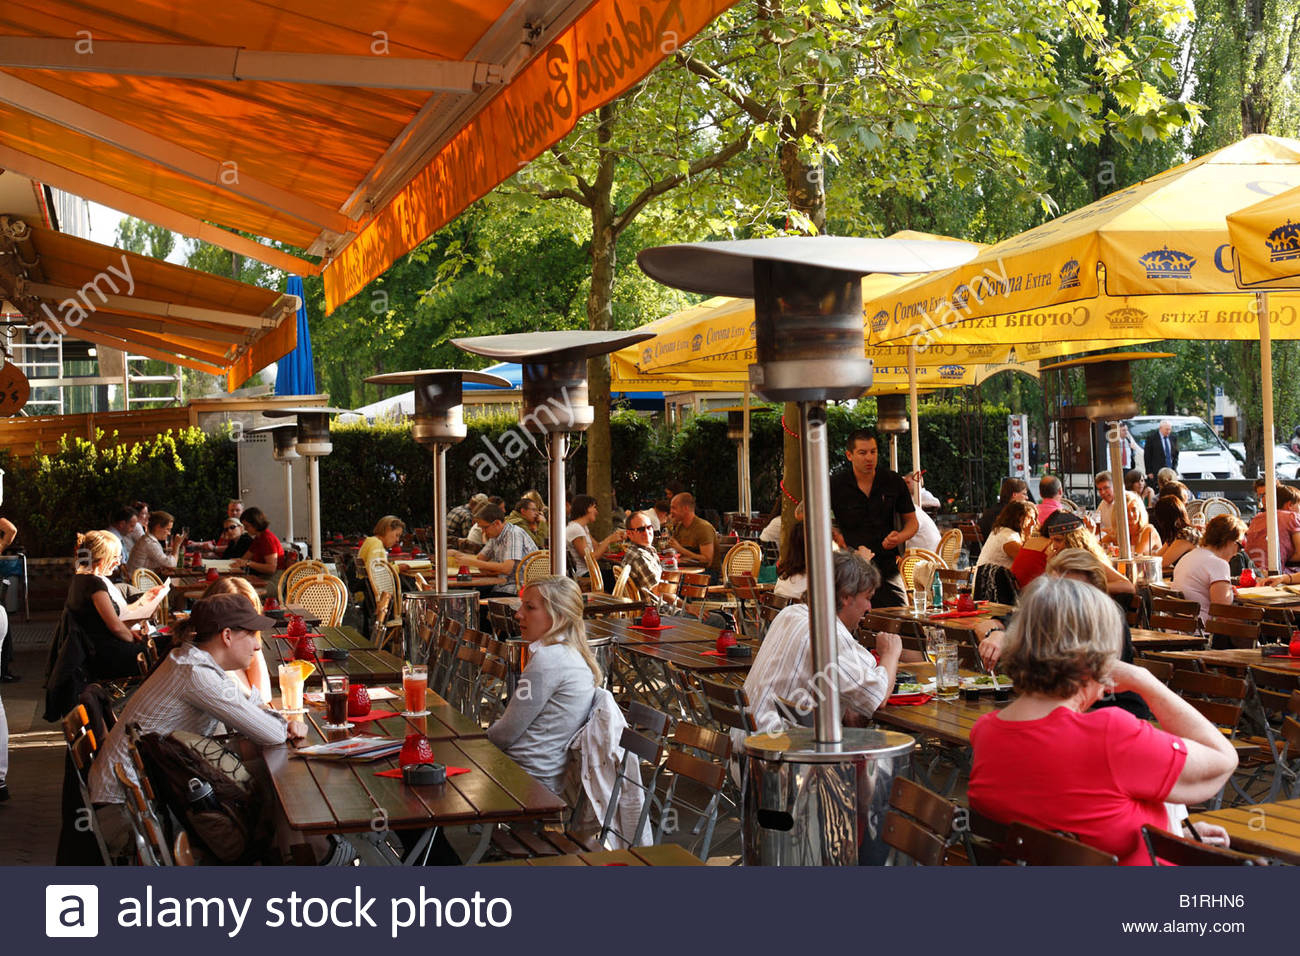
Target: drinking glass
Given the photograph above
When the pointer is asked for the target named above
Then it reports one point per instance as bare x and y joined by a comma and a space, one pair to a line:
920, 600
935, 639
290, 688
415, 681
336, 703
947, 682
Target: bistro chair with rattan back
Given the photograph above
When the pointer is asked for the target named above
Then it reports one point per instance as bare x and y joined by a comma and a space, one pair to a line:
534, 565
907, 564
744, 558
624, 586
1214, 507
920, 823
323, 595
142, 579
292, 574
950, 546
1166, 849
595, 580
382, 578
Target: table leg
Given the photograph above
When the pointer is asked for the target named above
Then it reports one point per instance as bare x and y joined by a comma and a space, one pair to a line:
484, 838
373, 848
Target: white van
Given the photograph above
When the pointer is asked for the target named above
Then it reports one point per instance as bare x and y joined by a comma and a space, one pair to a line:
1201, 452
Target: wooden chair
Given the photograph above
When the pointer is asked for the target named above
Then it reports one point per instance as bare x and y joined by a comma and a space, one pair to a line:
1174, 614
697, 764
1220, 700
324, 595
81, 753
1029, 846
534, 565
920, 823
950, 546
1277, 696
728, 706
695, 594
1166, 849
151, 848
745, 558
642, 744
1233, 625
1163, 670
291, 575
182, 852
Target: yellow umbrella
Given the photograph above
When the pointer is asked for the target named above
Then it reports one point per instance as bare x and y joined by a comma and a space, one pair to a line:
1151, 261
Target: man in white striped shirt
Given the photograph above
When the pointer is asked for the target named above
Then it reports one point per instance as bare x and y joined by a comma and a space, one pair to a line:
192, 691
783, 667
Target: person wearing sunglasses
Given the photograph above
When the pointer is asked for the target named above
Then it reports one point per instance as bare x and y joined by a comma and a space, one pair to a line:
639, 555
233, 541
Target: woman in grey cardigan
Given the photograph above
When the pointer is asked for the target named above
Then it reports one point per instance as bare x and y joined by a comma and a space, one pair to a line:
555, 691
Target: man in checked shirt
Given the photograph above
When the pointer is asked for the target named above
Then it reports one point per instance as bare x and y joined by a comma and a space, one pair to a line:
646, 569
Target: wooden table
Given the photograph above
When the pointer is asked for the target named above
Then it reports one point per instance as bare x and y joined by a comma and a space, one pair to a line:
346, 798
595, 604
682, 630
1241, 658
691, 656
1268, 829
1269, 597
1147, 640
364, 665
666, 854
987, 612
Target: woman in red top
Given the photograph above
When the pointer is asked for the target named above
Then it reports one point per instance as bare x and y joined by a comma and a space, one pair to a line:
1048, 761
265, 555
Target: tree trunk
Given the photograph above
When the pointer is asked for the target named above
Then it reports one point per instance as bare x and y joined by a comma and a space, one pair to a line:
600, 317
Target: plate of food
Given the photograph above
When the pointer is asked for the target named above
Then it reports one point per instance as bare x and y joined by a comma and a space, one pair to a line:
914, 687
986, 682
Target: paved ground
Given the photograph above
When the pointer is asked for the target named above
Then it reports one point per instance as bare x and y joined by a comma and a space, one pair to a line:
29, 821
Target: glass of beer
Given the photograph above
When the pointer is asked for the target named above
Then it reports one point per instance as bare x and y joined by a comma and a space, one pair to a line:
947, 682
336, 703
291, 681
415, 682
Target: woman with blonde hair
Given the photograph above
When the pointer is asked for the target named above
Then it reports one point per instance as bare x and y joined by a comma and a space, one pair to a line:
388, 531
555, 691
96, 605
1100, 774
1142, 535
256, 674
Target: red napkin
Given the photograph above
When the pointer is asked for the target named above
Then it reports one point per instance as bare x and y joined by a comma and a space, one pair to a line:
953, 603
286, 637
714, 653
658, 627
375, 715
899, 700
947, 614
396, 772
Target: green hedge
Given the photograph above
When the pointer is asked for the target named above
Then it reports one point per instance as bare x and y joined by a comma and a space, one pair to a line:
379, 469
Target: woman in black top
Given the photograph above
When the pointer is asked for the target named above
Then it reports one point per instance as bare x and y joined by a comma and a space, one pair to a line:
96, 605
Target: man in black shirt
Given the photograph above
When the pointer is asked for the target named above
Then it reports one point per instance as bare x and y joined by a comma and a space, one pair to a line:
868, 502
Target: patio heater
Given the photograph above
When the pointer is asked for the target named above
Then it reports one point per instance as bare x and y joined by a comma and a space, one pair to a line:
312, 441
555, 397
284, 449
439, 423
737, 431
814, 796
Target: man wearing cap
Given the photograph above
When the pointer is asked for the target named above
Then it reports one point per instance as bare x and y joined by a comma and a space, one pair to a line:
192, 691
872, 507
507, 545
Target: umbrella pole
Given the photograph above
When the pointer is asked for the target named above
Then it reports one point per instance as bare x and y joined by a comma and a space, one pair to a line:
916, 427
440, 517
556, 447
746, 504
288, 501
1266, 389
313, 492
1119, 509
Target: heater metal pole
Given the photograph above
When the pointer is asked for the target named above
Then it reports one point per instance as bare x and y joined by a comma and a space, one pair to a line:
313, 497
288, 500
893, 452
821, 576
557, 444
440, 517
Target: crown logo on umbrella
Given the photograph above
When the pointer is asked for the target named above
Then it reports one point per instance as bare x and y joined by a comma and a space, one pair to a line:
952, 371
1284, 242
1167, 263
1126, 318
879, 321
1070, 275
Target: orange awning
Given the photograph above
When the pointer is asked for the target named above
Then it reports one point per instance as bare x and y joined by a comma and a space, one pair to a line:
70, 286
350, 130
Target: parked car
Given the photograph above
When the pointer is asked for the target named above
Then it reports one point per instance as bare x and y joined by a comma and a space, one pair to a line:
1286, 463
1201, 452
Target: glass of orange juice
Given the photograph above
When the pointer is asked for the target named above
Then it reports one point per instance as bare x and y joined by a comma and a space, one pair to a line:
415, 682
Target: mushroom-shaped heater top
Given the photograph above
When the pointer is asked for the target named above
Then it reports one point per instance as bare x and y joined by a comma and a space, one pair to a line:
313, 427
284, 436
439, 417
554, 371
807, 295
